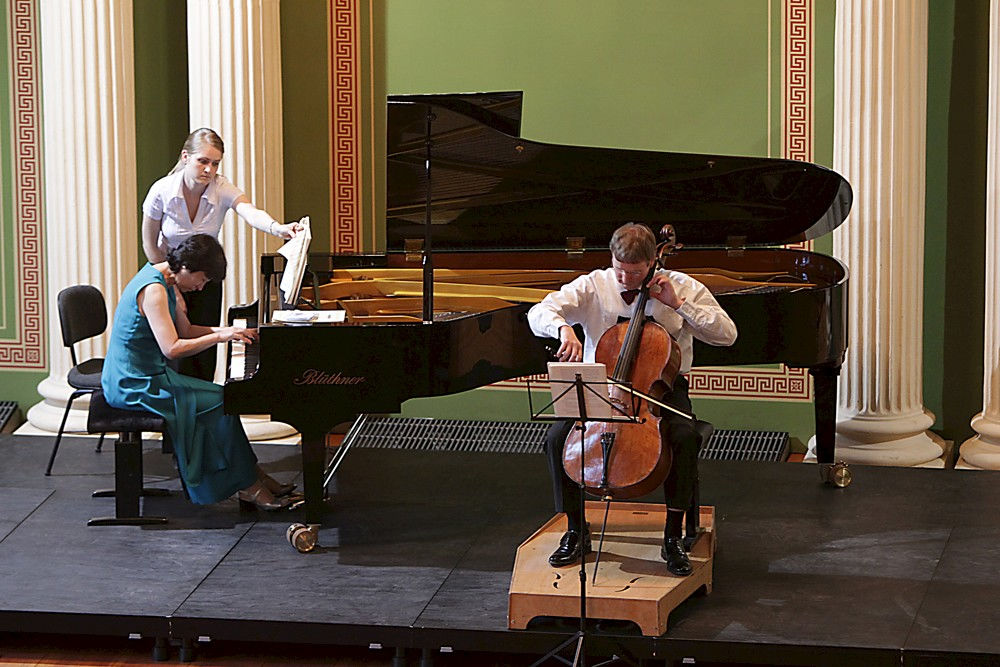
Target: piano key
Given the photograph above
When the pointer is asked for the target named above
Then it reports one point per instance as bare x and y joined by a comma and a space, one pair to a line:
238, 354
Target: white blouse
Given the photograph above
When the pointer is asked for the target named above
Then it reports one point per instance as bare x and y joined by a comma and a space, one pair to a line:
165, 202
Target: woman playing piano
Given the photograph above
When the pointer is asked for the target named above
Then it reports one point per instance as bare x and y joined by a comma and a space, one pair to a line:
686, 309
151, 326
194, 199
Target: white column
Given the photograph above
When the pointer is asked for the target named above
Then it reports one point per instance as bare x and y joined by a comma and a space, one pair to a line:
879, 146
91, 226
234, 79
983, 449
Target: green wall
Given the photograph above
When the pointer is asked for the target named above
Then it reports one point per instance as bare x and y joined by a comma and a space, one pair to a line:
305, 108
940, 42
161, 92
675, 75
956, 284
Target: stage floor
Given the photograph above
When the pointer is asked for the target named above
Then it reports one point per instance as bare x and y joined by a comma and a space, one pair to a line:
900, 567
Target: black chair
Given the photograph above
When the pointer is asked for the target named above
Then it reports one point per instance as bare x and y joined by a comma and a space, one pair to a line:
82, 315
128, 490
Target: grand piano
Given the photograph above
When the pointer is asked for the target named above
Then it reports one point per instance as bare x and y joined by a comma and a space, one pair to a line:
482, 223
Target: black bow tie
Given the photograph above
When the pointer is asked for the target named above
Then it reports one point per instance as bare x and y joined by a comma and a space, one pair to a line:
629, 295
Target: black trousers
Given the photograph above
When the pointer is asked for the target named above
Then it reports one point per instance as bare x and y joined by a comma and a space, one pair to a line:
678, 488
205, 308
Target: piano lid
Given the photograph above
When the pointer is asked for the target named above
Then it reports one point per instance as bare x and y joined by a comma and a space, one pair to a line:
493, 189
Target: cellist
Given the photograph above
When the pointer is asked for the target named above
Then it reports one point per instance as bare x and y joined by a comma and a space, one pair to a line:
596, 301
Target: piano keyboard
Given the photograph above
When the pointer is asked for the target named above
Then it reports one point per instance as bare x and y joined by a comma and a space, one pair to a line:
238, 355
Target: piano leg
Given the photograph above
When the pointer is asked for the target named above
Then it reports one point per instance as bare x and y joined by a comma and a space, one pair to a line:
825, 387
313, 464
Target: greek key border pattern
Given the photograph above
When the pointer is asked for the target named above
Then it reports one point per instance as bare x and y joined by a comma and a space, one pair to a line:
798, 80
27, 350
779, 383
345, 154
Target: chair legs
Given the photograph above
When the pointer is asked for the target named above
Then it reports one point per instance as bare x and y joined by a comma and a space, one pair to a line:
62, 426
55, 448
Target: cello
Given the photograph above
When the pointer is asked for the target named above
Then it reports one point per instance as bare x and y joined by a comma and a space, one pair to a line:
628, 458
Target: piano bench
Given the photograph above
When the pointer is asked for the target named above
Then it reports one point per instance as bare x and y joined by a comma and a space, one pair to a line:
129, 424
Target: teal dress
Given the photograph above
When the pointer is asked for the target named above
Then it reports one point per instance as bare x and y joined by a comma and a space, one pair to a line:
213, 453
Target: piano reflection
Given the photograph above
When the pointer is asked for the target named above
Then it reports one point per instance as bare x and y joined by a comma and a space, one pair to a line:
498, 222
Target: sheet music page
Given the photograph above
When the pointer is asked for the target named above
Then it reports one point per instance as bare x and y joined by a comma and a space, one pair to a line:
566, 402
296, 253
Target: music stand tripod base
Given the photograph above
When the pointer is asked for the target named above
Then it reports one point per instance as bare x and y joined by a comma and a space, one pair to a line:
633, 583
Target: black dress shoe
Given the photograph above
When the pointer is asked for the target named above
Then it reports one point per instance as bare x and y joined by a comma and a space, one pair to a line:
571, 548
677, 559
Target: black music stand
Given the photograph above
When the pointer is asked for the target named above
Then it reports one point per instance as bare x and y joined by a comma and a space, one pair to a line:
599, 402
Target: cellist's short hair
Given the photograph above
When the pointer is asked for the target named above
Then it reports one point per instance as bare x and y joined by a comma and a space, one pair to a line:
633, 243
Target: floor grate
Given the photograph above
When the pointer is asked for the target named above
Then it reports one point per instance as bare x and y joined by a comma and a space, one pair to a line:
738, 445
453, 435
464, 435
10, 416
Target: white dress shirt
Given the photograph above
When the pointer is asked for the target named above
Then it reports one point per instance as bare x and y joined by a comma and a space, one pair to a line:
594, 301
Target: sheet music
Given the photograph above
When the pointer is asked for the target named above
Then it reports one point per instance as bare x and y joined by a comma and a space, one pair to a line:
296, 254
566, 402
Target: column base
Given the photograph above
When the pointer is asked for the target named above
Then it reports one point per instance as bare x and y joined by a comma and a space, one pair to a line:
922, 450
47, 414
260, 427
979, 453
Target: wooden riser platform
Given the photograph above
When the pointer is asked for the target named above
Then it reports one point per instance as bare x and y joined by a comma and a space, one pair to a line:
632, 582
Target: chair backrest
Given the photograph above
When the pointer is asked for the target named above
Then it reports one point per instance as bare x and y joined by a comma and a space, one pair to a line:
82, 314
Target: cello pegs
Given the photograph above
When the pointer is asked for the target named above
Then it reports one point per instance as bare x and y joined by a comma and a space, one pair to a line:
668, 245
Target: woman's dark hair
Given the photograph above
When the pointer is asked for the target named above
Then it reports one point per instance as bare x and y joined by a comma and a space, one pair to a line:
200, 252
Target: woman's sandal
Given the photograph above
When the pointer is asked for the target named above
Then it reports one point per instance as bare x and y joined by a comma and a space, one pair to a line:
250, 500
276, 488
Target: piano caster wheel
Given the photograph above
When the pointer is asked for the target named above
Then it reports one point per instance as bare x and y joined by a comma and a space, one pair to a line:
303, 537
837, 474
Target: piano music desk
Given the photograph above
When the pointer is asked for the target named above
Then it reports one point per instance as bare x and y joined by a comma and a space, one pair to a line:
633, 583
